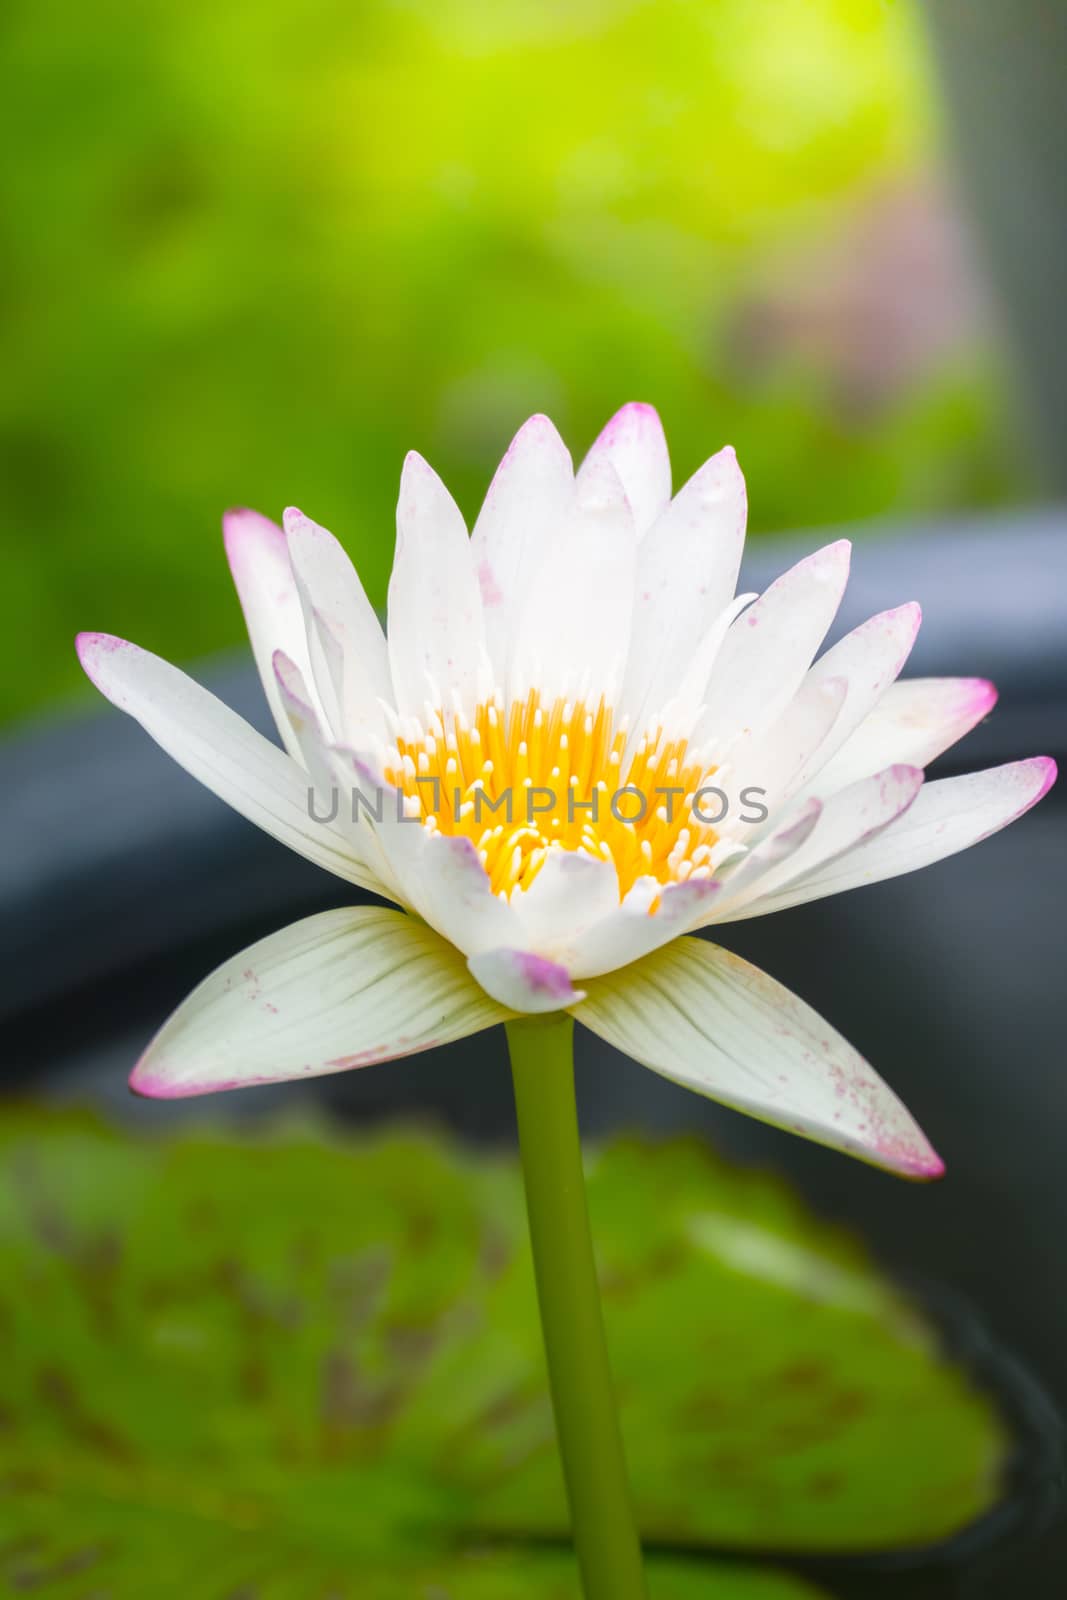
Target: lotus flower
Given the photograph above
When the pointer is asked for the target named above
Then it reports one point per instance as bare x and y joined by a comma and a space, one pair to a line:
572, 749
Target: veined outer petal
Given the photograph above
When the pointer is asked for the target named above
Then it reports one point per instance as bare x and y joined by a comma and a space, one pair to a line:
708, 1020
915, 721
219, 749
338, 614
635, 445
527, 503
436, 631
258, 554
687, 569
336, 991
948, 815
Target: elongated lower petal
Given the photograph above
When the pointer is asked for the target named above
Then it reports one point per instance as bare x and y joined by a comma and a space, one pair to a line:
708, 1020
219, 749
336, 991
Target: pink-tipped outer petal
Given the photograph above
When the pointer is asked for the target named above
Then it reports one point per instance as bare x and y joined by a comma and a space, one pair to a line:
869, 659
635, 444
915, 720
258, 555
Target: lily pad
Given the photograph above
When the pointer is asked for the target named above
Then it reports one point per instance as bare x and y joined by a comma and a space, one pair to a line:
303, 1365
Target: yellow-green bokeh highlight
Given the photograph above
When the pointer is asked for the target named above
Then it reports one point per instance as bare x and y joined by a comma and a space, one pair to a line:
253, 253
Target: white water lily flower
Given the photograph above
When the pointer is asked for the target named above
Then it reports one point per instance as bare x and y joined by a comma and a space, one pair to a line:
673, 760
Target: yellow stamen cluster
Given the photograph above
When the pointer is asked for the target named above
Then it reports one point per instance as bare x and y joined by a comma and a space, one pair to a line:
520, 781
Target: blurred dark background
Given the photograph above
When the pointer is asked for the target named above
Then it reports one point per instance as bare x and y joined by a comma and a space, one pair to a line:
251, 255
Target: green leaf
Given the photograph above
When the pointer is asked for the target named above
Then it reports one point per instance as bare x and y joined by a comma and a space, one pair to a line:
298, 1365
776, 1391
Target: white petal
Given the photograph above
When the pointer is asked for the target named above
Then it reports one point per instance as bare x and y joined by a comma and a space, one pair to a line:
739, 876
706, 1019
634, 443
769, 649
219, 749
571, 891
436, 632
947, 816
259, 561
330, 777
845, 821
869, 658
439, 876
307, 729
336, 991
914, 721
767, 766
339, 617
451, 889
573, 631
686, 576
682, 715
523, 981
650, 916
527, 502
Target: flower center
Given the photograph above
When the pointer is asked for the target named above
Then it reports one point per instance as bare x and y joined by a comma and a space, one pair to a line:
521, 781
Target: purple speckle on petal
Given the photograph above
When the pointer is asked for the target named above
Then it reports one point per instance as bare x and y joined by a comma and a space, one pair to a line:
543, 977
492, 594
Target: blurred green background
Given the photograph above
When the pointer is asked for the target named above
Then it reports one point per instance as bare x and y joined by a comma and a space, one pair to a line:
253, 253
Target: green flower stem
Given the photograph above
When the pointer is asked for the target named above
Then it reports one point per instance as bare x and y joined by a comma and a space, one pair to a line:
587, 1424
